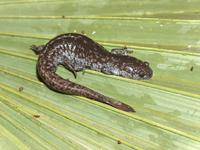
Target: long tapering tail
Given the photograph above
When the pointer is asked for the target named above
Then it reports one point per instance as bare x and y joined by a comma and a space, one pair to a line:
57, 83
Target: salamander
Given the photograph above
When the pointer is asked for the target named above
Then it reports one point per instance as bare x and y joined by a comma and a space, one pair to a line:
77, 52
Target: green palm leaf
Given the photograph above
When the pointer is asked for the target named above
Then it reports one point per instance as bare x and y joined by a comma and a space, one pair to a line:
164, 33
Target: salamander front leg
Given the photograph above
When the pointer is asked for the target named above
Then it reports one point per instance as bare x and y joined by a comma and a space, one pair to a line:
121, 51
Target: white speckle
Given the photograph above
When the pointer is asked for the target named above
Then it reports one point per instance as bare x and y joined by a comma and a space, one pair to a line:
74, 47
75, 31
51, 53
65, 54
189, 46
62, 47
161, 25
65, 45
93, 32
70, 46
57, 60
115, 71
118, 103
72, 55
130, 69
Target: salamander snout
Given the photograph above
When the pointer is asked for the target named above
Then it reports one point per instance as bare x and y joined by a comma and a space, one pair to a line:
137, 70
142, 71
145, 74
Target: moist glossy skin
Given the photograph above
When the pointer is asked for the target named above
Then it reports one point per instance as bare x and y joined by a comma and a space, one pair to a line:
77, 52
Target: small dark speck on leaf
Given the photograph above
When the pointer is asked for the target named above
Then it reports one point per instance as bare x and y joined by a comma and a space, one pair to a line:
119, 142
191, 69
36, 116
20, 89
63, 16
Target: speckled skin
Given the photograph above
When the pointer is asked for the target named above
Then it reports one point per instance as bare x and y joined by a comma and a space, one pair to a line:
77, 52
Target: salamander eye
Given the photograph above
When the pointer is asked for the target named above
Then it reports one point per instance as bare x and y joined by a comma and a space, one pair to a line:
129, 69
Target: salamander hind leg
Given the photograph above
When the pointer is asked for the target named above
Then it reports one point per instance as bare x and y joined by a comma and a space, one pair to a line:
37, 49
69, 67
121, 51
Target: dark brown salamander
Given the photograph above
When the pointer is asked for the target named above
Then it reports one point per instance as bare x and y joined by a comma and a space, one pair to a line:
77, 52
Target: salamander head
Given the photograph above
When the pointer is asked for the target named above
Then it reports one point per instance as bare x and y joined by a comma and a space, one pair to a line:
135, 69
